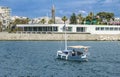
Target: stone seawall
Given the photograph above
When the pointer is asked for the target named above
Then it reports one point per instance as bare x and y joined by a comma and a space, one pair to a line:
54, 37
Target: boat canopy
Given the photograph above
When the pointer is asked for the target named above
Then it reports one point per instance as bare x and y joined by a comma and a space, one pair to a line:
79, 46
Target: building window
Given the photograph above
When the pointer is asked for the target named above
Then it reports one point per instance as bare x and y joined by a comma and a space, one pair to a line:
106, 28
69, 29
97, 28
116, 29
25, 28
44, 29
49, 29
39, 28
111, 28
80, 29
35, 29
55, 28
102, 28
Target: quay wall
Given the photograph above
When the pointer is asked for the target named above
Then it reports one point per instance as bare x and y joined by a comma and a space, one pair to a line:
56, 37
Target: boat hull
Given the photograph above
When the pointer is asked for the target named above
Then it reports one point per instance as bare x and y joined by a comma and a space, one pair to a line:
72, 58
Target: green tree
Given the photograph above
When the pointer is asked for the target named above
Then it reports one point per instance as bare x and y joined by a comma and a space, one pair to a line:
89, 18
12, 25
64, 19
0, 26
105, 15
21, 21
91, 14
43, 21
50, 21
73, 19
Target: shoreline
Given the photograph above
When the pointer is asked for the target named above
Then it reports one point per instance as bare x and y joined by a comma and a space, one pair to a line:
58, 37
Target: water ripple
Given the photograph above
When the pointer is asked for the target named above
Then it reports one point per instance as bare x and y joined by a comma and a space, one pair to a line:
38, 59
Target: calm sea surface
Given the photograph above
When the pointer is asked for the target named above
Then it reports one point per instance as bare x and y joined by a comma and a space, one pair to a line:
38, 59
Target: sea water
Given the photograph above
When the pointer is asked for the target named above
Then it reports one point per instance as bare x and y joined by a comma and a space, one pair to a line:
38, 59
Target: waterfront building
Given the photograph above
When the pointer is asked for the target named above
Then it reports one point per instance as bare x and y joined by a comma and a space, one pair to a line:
5, 13
59, 28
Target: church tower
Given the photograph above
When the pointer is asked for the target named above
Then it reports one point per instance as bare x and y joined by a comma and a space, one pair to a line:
53, 13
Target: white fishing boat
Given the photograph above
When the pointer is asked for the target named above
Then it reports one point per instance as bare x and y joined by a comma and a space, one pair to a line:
77, 53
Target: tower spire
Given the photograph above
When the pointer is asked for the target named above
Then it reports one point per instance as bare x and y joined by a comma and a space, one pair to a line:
53, 12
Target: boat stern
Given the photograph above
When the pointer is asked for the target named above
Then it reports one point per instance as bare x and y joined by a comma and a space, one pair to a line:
62, 55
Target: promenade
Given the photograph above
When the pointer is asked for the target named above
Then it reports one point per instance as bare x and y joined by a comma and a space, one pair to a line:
56, 37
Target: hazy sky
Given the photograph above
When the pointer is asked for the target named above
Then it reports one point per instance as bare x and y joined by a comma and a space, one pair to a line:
38, 8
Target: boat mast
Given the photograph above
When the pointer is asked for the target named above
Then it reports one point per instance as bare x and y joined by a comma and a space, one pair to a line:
64, 27
65, 37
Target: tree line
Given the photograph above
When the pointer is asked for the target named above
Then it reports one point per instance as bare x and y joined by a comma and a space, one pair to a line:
100, 18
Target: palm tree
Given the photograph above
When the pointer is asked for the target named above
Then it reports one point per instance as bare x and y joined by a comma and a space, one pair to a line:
91, 14
89, 18
73, 19
43, 21
80, 18
64, 19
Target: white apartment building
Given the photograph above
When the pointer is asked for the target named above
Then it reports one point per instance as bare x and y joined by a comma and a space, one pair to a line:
5, 13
